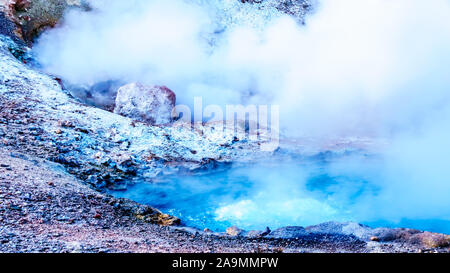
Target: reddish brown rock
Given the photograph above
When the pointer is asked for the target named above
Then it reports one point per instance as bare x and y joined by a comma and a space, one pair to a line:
31, 17
149, 104
234, 231
431, 240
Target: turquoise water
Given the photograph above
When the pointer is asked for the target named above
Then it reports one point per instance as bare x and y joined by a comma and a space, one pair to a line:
280, 193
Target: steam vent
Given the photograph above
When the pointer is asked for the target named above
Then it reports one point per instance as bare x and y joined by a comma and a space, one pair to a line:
224, 126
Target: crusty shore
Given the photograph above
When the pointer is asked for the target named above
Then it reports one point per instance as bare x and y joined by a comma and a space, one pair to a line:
45, 209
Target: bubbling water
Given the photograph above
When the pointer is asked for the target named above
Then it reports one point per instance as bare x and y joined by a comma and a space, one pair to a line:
375, 68
276, 193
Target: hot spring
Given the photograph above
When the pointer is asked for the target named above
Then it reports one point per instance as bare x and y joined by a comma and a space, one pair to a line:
336, 69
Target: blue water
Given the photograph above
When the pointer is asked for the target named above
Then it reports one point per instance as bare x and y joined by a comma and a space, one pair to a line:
278, 193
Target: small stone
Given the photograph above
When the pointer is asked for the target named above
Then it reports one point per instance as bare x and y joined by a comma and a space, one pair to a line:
374, 239
58, 131
92, 179
207, 230
97, 216
125, 145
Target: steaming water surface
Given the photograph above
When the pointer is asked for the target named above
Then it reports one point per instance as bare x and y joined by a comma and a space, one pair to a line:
356, 68
277, 193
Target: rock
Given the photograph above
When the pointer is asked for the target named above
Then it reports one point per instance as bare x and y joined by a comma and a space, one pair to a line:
126, 164
93, 180
348, 228
167, 220
390, 235
34, 16
288, 233
413, 237
125, 145
234, 231
149, 104
258, 233
147, 214
430, 240
65, 124
374, 239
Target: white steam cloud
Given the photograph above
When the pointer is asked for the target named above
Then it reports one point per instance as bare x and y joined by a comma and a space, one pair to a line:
376, 68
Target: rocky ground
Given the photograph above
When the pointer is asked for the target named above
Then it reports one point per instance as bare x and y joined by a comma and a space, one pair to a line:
45, 209
58, 156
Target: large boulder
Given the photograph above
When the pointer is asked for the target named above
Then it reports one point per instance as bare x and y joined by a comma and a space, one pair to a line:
234, 231
149, 104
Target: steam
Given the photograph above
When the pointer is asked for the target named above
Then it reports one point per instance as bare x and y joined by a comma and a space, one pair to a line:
374, 68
